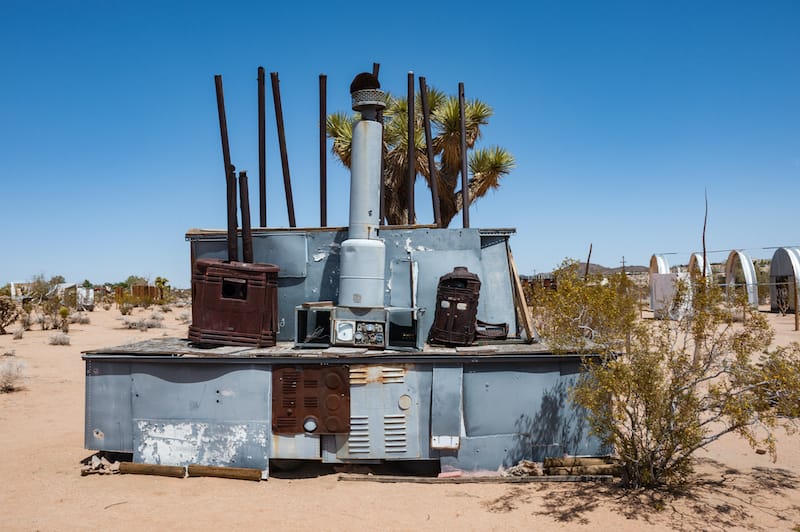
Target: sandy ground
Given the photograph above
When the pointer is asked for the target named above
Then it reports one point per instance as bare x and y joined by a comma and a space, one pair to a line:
41, 445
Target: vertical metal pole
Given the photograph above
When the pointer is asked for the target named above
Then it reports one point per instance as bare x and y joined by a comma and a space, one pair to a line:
323, 165
262, 149
247, 233
230, 176
412, 152
287, 180
376, 68
464, 179
426, 122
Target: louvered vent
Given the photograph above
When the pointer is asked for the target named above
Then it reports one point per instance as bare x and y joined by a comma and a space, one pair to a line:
358, 441
393, 375
358, 375
394, 433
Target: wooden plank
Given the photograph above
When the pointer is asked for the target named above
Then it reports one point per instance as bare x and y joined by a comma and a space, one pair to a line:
239, 473
389, 479
519, 300
133, 468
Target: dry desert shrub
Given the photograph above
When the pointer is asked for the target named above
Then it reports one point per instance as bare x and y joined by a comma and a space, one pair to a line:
26, 321
79, 318
8, 313
59, 339
12, 375
185, 316
18, 333
106, 306
125, 309
166, 308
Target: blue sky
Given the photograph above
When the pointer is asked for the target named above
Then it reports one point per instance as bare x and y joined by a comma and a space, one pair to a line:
620, 116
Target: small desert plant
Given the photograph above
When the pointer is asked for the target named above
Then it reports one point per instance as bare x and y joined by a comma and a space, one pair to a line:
63, 314
166, 308
12, 374
59, 339
18, 333
8, 313
157, 316
154, 323
185, 316
26, 320
125, 309
106, 306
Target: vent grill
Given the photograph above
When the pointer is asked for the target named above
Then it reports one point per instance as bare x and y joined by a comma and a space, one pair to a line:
394, 433
358, 375
393, 375
358, 441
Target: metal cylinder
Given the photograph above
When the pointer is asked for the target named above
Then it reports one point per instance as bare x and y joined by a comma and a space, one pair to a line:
362, 263
365, 180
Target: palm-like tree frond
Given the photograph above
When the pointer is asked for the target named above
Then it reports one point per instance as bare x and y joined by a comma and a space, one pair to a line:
339, 127
487, 165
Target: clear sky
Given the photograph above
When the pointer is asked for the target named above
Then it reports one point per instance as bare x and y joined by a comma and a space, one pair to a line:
620, 116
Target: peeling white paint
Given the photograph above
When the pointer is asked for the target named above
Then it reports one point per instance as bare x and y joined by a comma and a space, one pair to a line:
318, 257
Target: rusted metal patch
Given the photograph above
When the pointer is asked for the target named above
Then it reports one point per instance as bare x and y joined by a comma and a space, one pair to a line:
310, 399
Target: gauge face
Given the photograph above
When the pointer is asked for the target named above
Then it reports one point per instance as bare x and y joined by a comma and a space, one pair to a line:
345, 330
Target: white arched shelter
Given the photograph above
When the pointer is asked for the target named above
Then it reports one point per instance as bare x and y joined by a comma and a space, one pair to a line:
749, 271
697, 264
784, 271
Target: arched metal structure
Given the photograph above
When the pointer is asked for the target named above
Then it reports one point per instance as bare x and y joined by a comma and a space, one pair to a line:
784, 271
698, 264
659, 264
749, 272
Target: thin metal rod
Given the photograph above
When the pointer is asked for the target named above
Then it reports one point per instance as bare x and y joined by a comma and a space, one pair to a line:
412, 152
287, 180
426, 122
262, 148
323, 159
244, 204
230, 176
464, 178
376, 68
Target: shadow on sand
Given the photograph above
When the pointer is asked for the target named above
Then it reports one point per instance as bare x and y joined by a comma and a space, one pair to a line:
719, 499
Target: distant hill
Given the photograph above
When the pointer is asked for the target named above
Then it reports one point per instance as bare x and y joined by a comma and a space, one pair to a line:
602, 270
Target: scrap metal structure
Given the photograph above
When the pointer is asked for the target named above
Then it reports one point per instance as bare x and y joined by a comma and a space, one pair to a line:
362, 344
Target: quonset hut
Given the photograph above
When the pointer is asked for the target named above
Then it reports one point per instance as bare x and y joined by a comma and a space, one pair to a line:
357, 344
784, 277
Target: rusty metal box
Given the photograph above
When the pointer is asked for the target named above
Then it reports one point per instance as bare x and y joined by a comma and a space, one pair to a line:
234, 303
456, 308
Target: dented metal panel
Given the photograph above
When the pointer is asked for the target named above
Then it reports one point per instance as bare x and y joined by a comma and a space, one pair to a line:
446, 407
434, 251
182, 442
385, 414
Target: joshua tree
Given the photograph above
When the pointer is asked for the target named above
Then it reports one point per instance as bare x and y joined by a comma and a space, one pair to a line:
486, 165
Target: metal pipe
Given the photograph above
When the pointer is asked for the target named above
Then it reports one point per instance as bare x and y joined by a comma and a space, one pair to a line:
464, 179
323, 164
376, 68
412, 152
247, 233
287, 180
262, 149
426, 122
230, 176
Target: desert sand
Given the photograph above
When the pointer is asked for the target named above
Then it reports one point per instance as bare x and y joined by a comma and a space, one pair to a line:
41, 446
